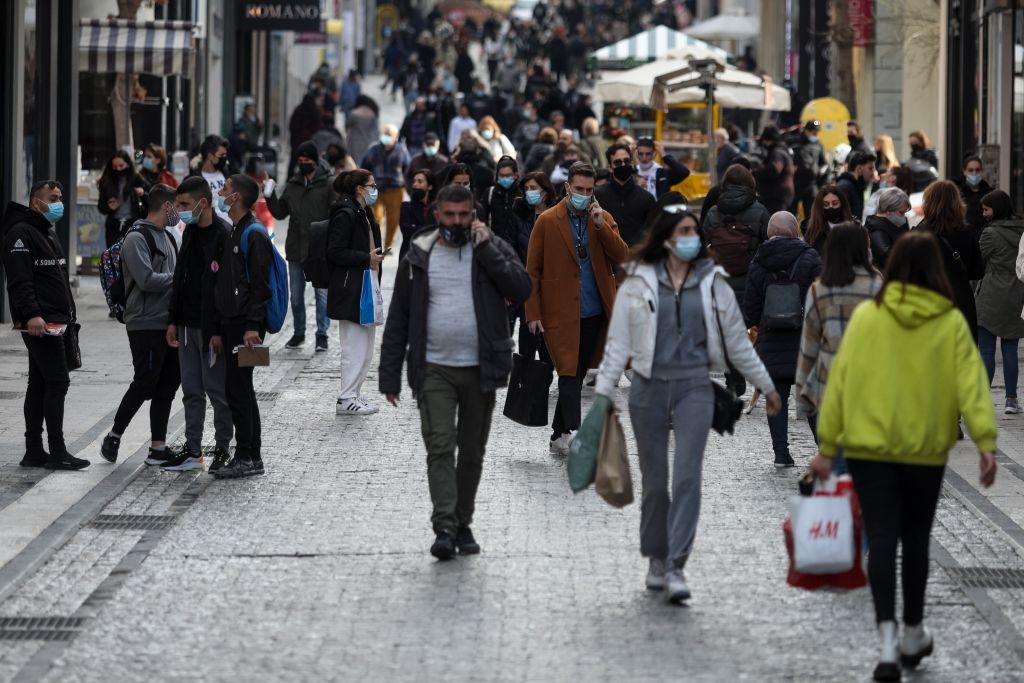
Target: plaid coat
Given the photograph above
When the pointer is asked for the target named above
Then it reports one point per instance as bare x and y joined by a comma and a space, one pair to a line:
827, 312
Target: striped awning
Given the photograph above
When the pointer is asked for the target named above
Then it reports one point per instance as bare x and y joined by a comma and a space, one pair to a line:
159, 48
648, 46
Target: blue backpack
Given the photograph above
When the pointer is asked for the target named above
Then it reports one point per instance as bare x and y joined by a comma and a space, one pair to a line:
277, 307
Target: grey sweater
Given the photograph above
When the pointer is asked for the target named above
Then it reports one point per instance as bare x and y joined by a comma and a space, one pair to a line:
148, 278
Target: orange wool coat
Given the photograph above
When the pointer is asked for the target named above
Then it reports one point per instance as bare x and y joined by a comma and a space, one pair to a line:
555, 271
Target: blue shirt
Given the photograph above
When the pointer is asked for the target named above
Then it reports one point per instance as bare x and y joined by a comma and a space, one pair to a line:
590, 297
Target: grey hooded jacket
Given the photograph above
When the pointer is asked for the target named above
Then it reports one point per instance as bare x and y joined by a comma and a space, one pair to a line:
148, 277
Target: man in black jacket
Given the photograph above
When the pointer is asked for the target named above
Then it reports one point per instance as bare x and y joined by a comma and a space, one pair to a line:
660, 179
195, 322
241, 295
37, 286
858, 178
497, 201
459, 350
622, 197
809, 166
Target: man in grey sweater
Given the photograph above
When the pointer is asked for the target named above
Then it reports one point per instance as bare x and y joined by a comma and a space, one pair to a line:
148, 256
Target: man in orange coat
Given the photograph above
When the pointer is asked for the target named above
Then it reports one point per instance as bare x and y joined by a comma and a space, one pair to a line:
574, 248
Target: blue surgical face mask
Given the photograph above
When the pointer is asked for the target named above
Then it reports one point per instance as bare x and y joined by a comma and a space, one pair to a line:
883, 185
222, 205
190, 217
430, 151
507, 181
148, 164
54, 212
371, 197
973, 180
533, 197
812, 138
686, 248
487, 134
580, 202
386, 140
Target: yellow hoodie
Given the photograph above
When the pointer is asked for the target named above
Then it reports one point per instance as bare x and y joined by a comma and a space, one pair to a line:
905, 371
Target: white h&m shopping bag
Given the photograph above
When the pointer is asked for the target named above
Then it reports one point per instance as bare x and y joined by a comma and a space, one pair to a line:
822, 534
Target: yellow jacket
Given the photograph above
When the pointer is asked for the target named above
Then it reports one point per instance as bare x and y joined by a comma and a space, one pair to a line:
905, 371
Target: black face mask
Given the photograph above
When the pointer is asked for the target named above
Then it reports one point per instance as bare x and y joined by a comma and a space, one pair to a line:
417, 194
834, 215
219, 164
623, 173
123, 172
917, 147
306, 168
854, 139
456, 235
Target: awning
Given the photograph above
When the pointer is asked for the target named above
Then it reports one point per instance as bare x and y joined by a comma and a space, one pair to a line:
159, 48
650, 45
735, 26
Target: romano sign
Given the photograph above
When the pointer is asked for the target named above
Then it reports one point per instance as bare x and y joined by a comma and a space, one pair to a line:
284, 15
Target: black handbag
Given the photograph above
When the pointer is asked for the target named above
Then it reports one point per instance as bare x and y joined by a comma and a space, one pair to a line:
728, 406
527, 399
72, 350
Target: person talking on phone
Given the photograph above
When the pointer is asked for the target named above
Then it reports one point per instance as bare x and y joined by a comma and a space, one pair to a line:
448, 318
353, 246
573, 251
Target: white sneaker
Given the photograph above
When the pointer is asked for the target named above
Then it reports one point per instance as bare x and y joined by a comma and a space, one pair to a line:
656, 575
676, 589
354, 406
888, 667
560, 446
916, 644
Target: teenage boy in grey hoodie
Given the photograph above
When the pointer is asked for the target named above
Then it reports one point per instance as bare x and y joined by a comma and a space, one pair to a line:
148, 256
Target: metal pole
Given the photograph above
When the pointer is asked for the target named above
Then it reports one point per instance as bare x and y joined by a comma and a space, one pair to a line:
709, 88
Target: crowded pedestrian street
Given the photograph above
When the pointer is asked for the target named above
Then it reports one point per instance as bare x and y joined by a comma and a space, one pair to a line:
511, 340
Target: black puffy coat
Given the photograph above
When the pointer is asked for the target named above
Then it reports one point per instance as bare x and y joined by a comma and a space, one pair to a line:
497, 203
773, 262
972, 199
241, 291
628, 204
883, 235
961, 255
348, 254
741, 202
36, 268
412, 217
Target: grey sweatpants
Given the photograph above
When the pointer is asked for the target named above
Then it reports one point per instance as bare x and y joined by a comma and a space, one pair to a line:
199, 380
668, 525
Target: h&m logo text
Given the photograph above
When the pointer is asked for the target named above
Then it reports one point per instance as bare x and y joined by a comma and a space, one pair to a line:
822, 529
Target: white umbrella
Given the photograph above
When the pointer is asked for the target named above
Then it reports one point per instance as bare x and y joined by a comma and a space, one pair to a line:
649, 45
726, 27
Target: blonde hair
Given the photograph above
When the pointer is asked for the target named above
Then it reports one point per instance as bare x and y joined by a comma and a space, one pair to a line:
488, 121
886, 151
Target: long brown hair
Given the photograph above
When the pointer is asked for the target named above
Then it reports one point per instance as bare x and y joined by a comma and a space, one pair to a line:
816, 221
915, 259
944, 209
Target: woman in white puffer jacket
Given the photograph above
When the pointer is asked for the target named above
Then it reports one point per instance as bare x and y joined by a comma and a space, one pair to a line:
671, 317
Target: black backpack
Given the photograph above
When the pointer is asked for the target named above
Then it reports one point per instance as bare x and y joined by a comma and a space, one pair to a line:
783, 305
315, 268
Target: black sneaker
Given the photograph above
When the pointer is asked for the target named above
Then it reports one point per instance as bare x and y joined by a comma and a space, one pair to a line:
784, 461
66, 461
444, 546
221, 457
239, 468
35, 458
296, 341
186, 461
109, 448
162, 457
321, 343
465, 542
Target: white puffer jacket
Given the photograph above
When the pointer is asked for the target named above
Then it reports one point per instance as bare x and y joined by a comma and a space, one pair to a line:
634, 328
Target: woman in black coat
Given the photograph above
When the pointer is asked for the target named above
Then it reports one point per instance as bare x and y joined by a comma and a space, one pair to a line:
972, 188
122, 196
538, 197
415, 214
353, 240
782, 259
945, 215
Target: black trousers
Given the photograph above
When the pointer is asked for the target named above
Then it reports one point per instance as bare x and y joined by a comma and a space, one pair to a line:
245, 413
48, 383
157, 377
570, 387
898, 502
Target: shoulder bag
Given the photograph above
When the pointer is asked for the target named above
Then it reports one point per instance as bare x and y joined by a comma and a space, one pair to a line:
728, 406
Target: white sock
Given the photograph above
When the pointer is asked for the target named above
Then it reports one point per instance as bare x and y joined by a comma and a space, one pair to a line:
111, 433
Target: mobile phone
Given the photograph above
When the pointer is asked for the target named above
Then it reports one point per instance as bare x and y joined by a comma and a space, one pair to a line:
386, 251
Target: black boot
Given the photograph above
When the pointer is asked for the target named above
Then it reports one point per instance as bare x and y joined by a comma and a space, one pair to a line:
35, 455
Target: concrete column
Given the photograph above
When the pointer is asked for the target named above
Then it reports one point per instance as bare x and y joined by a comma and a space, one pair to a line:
771, 52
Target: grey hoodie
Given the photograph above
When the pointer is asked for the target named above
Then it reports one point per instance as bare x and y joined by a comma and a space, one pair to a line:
148, 278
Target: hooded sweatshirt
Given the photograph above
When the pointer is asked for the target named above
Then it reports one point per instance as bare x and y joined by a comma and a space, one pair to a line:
148, 277
924, 371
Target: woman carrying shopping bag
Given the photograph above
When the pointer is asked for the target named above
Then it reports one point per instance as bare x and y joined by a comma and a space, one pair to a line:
671, 316
907, 367
847, 279
353, 240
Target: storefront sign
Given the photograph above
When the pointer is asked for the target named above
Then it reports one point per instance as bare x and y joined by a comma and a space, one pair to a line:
860, 22
283, 15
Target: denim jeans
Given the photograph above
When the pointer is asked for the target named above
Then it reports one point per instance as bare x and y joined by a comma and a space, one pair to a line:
779, 424
987, 347
297, 281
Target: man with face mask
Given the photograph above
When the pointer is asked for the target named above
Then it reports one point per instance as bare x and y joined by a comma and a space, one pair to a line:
212, 166
194, 322
307, 198
448, 317
660, 179
886, 226
148, 258
574, 248
622, 197
429, 158
388, 160
37, 287
809, 166
857, 181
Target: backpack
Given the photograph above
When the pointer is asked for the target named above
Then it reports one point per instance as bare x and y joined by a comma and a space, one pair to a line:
783, 306
733, 243
315, 268
277, 307
112, 273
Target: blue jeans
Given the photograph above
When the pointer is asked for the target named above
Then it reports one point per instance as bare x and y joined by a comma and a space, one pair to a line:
839, 461
987, 347
779, 424
297, 281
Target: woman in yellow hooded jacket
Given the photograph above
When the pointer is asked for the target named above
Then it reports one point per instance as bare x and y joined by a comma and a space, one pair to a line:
906, 369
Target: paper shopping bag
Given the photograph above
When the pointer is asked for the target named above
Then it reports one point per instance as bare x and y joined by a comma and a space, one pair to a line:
254, 357
823, 539
613, 481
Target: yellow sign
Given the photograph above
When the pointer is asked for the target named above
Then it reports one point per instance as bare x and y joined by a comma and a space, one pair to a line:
387, 16
833, 115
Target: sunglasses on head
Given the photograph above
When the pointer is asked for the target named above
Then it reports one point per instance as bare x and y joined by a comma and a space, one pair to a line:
675, 208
